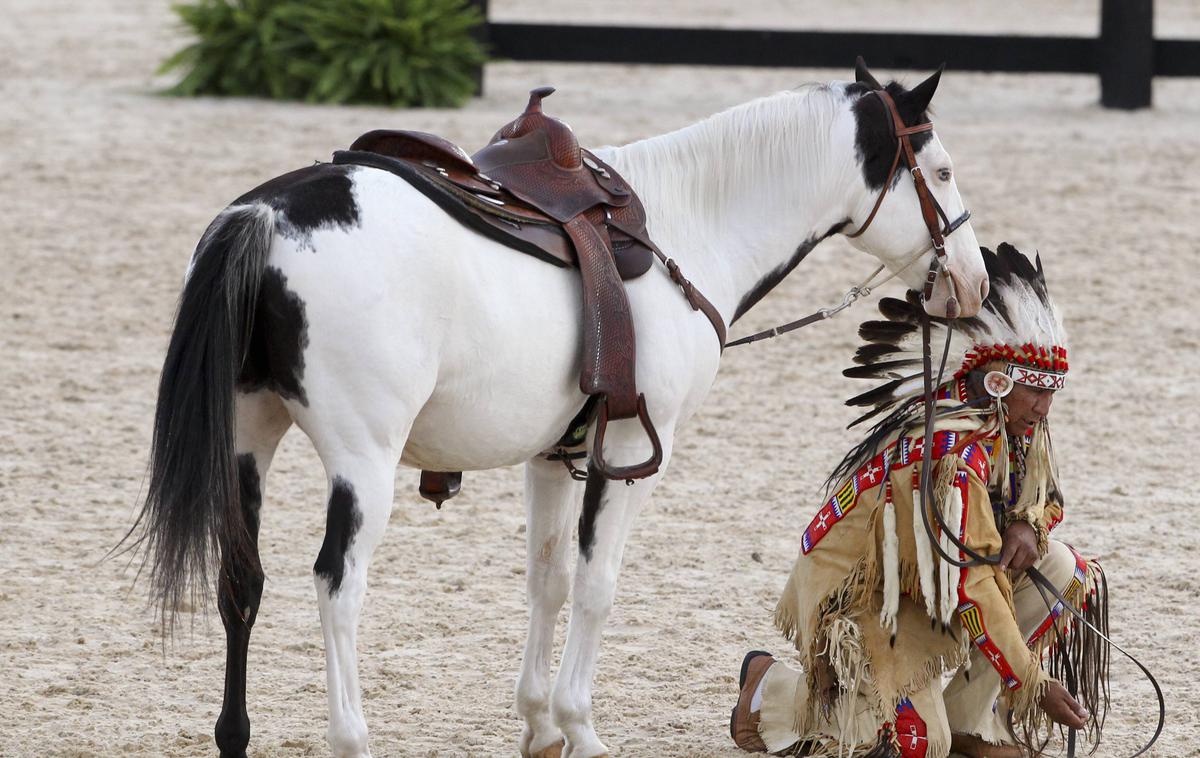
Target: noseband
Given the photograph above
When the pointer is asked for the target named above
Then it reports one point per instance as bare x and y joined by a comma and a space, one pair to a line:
936, 221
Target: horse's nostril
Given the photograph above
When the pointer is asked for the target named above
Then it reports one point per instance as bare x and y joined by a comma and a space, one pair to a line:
984, 288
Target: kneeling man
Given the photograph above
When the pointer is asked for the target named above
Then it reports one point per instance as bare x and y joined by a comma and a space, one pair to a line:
880, 618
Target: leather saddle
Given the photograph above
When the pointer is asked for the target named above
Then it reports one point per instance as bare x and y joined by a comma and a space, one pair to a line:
526, 211
534, 189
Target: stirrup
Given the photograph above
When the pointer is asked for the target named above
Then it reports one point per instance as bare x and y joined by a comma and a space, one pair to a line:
638, 470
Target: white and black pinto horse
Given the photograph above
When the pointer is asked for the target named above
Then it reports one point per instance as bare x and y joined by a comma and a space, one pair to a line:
341, 299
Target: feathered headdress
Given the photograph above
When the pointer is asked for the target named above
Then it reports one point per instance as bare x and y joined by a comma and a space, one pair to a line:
1018, 332
1017, 326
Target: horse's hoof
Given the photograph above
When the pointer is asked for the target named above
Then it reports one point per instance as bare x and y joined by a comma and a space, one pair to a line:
550, 751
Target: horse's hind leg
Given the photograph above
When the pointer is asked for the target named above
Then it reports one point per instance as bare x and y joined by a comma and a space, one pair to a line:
361, 484
551, 503
261, 422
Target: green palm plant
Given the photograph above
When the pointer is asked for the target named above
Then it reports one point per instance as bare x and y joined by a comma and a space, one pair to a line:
392, 52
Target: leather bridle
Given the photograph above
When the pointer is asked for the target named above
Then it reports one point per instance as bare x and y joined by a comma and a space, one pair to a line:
939, 225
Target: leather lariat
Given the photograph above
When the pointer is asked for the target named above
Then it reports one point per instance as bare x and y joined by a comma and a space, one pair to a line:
974, 558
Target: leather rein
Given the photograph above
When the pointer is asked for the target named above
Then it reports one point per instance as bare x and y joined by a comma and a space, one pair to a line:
936, 222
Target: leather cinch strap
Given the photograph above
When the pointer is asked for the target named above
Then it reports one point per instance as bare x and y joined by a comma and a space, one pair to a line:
698, 301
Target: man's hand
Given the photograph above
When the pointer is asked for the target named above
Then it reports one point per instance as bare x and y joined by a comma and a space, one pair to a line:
1062, 708
1019, 551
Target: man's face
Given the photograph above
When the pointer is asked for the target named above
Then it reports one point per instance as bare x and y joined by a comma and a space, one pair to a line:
1026, 406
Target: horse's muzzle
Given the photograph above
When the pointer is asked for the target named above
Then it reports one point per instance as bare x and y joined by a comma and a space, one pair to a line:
955, 296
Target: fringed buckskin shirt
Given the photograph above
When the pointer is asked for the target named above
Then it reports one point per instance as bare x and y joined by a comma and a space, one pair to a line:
869, 595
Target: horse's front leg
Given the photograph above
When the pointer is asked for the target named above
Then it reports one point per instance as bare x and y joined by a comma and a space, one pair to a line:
609, 508
551, 504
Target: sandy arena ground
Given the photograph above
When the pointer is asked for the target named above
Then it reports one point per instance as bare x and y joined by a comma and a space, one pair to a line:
106, 189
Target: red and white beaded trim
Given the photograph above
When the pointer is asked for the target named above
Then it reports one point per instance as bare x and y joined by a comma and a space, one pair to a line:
1029, 364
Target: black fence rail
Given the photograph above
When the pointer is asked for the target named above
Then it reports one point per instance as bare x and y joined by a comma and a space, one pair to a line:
1125, 55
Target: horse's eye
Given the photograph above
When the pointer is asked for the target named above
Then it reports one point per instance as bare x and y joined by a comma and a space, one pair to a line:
944, 174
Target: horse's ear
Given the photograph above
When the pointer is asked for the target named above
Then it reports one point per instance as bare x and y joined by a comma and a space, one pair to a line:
921, 95
863, 76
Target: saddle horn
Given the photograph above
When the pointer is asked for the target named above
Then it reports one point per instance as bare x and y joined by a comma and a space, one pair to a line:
535, 99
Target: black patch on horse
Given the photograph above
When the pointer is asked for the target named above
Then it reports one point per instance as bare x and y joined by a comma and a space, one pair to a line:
314, 197
242, 576
249, 483
775, 276
592, 502
241, 593
873, 139
342, 522
275, 356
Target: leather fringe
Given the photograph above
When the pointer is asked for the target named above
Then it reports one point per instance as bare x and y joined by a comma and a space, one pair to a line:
1076, 654
845, 654
1079, 649
882, 748
833, 637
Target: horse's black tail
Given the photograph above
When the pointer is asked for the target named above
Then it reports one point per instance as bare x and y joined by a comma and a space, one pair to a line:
192, 512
